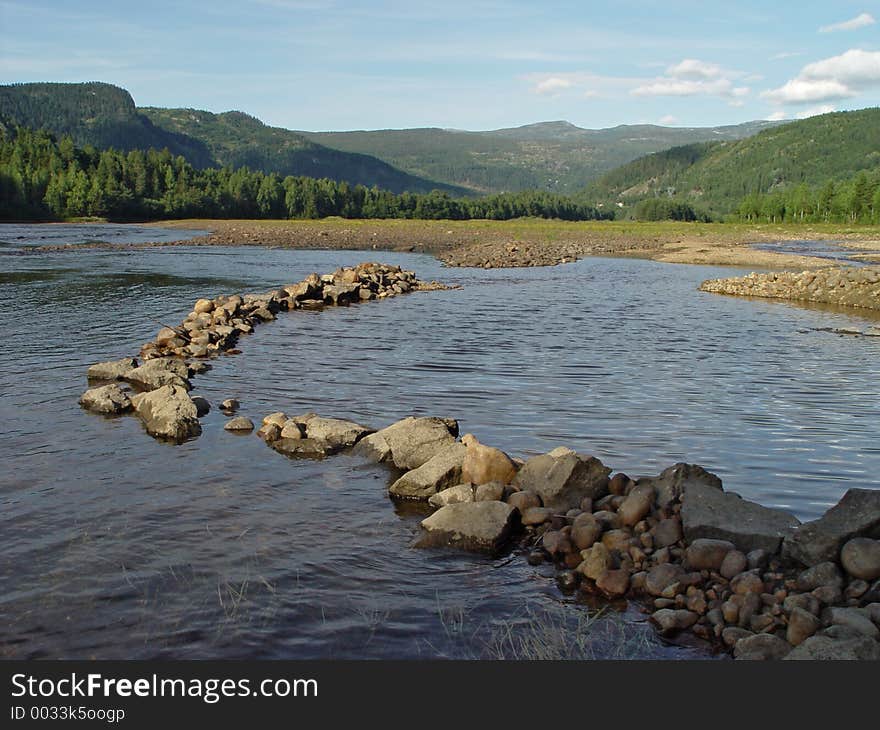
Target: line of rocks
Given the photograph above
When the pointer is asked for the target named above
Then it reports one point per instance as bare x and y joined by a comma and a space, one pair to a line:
845, 286
749, 579
156, 387
736, 573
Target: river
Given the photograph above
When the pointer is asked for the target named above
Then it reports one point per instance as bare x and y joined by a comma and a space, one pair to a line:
118, 546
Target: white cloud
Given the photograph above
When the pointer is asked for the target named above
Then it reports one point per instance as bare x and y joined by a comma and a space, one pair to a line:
816, 110
808, 91
785, 54
552, 85
691, 68
860, 21
777, 116
692, 77
830, 79
855, 68
668, 119
683, 87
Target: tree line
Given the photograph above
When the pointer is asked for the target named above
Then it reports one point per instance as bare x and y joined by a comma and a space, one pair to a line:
856, 200
42, 178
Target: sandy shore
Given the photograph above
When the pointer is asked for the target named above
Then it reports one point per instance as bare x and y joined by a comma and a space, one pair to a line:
532, 242
541, 242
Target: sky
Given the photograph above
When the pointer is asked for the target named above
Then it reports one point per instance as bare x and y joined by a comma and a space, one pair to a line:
464, 64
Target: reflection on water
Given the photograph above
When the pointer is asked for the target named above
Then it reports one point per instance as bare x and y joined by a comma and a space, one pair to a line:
116, 545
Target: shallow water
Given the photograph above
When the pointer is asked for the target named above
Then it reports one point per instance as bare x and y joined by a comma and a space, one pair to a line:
836, 251
26, 235
116, 545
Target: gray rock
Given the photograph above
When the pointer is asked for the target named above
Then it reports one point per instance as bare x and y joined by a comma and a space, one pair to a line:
523, 500
562, 478
671, 620
408, 443
536, 515
586, 531
489, 492
230, 404
452, 495
203, 408
336, 432
302, 448
709, 512
853, 618
829, 648
167, 413
158, 372
662, 576
470, 525
707, 554
240, 423
734, 563
801, 626
374, 448
106, 399
857, 514
823, 574
732, 634
860, 558
758, 559
666, 532
761, 647
676, 480
805, 601
112, 370
441, 471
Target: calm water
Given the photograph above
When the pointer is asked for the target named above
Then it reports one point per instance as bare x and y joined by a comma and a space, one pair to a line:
115, 545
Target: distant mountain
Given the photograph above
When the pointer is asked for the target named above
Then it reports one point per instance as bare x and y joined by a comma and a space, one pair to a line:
557, 156
105, 116
717, 176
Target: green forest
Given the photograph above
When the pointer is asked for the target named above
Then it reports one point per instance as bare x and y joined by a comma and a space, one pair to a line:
759, 176
105, 116
42, 178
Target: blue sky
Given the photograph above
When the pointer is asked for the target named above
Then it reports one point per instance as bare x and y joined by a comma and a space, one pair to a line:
467, 64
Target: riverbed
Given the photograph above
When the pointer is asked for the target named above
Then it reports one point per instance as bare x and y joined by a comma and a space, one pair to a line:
119, 546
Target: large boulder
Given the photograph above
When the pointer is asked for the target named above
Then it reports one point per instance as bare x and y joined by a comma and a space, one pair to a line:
436, 474
112, 370
562, 478
830, 648
484, 464
710, 512
409, 443
336, 432
158, 372
167, 413
470, 525
856, 515
107, 399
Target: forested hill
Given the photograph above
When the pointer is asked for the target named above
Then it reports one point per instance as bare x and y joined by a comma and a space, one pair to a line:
97, 114
717, 176
556, 156
238, 139
105, 116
